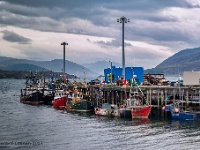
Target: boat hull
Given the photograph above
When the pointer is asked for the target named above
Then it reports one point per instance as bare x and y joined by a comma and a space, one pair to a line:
59, 102
125, 112
141, 111
183, 116
185, 110
116, 113
34, 98
107, 110
48, 99
80, 106
103, 111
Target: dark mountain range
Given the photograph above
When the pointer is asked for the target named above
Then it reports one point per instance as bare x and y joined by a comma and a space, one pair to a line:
185, 60
24, 67
56, 65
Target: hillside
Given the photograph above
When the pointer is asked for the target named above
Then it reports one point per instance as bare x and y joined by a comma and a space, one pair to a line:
24, 67
70, 67
185, 60
56, 65
4, 74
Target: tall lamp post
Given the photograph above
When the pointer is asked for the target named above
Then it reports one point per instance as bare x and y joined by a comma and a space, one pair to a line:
111, 71
123, 20
64, 43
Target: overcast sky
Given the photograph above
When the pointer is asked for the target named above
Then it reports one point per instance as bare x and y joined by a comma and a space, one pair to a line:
35, 29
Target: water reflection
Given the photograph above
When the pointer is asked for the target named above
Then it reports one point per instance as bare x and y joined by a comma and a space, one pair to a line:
139, 121
185, 124
58, 129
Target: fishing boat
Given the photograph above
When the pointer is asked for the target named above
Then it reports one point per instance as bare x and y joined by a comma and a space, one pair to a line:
48, 96
36, 96
49, 92
61, 94
135, 107
141, 111
185, 110
140, 107
32, 97
76, 103
37, 91
115, 110
32, 93
107, 110
60, 99
125, 109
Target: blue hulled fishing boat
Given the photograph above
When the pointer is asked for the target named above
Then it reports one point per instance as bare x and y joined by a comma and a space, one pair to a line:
185, 110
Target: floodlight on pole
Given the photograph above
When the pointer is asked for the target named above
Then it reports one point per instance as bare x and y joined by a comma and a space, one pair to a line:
64, 43
123, 20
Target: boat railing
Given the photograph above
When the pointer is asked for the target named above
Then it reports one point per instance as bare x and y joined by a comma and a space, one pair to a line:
61, 93
187, 106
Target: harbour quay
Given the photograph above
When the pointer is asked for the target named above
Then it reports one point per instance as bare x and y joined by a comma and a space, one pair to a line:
157, 96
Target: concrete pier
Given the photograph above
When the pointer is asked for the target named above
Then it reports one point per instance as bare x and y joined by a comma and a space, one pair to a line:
155, 95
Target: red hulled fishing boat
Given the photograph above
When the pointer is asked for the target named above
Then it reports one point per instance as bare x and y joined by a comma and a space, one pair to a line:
60, 99
141, 111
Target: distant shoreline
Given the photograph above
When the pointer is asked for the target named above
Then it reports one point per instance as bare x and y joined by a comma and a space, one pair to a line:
13, 74
4, 74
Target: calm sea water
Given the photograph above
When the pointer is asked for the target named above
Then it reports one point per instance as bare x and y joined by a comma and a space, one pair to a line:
25, 127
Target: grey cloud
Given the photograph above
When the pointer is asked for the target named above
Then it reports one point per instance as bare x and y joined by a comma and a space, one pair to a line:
117, 4
87, 9
43, 24
37, 53
57, 16
28, 11
13, 37
98, 12
52, 9
115, 43
50, 3
142, 53
161, 31
192, 3
155, 17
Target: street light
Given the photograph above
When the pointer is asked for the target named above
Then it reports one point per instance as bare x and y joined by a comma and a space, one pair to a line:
123, 20
64, 43
111, 70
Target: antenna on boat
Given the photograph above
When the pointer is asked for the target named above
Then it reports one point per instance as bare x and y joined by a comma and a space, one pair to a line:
84, 76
